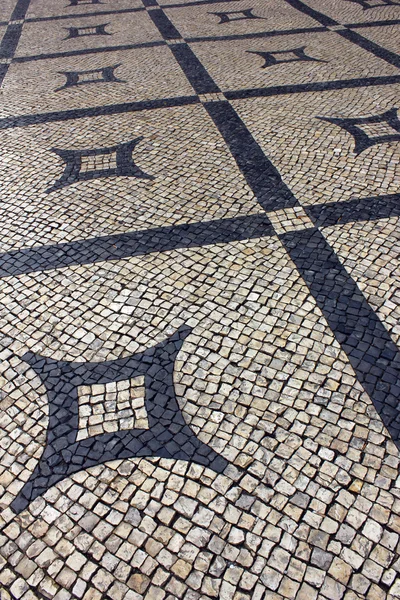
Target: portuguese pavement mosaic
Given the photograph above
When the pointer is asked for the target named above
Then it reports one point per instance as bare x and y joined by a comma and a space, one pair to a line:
199, 299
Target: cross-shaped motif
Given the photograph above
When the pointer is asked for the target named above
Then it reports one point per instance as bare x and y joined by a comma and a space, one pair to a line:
165, 433
103, 75
82, 165
284, 56
235, 15
368, 131
74, 32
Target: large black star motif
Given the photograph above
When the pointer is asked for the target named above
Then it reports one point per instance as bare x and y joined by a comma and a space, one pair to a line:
284, 56
165, 435
368, 131
103, 75
82, 165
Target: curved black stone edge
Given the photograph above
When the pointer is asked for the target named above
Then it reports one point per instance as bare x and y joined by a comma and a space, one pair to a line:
371, 351
361, 138
168, 435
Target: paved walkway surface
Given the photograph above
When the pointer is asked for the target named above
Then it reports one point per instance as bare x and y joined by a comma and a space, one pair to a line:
199, 299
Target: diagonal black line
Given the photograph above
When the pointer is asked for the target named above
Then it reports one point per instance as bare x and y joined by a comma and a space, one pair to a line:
256, 35
358, 209
95, 111
10, 41
32, 58
82, 15
12, 35
352, 36
317, 86
369, 347
20, 10
113, 109
119, 11
163, 239
261, 175
164, 25
371, 351
385, 23
315, 14
197, 75
138, 243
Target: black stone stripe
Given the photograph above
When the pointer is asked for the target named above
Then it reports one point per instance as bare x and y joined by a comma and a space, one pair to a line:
386, 23
82, 15
261, 175
162, 239
372, 47
317, 86
20, 10
164, 25
356, 210
351, 36
96, 111
12, 34
33, 58
113, 109
10, 41
315, 14
371, 351
120, 11
197, 75
194, 71
138, 243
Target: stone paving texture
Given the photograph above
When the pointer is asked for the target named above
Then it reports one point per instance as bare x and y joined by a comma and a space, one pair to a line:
199, 299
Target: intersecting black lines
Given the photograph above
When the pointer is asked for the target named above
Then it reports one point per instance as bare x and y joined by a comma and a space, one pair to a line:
284, 56
368, 131
82, 165
235, 15
106, 74
166, 436
74, 32
375, 3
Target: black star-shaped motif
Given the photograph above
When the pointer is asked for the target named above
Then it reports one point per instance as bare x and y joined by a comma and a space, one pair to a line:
363, 139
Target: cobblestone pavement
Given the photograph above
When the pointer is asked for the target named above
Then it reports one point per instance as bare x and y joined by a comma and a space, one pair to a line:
199, 299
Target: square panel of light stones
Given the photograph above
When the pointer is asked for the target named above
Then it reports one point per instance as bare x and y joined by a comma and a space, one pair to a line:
178, 419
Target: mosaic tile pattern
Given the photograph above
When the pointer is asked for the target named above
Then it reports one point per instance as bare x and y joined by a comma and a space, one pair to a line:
199, 300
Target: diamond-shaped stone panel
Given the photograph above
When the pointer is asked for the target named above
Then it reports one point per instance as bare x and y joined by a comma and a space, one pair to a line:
114, 406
